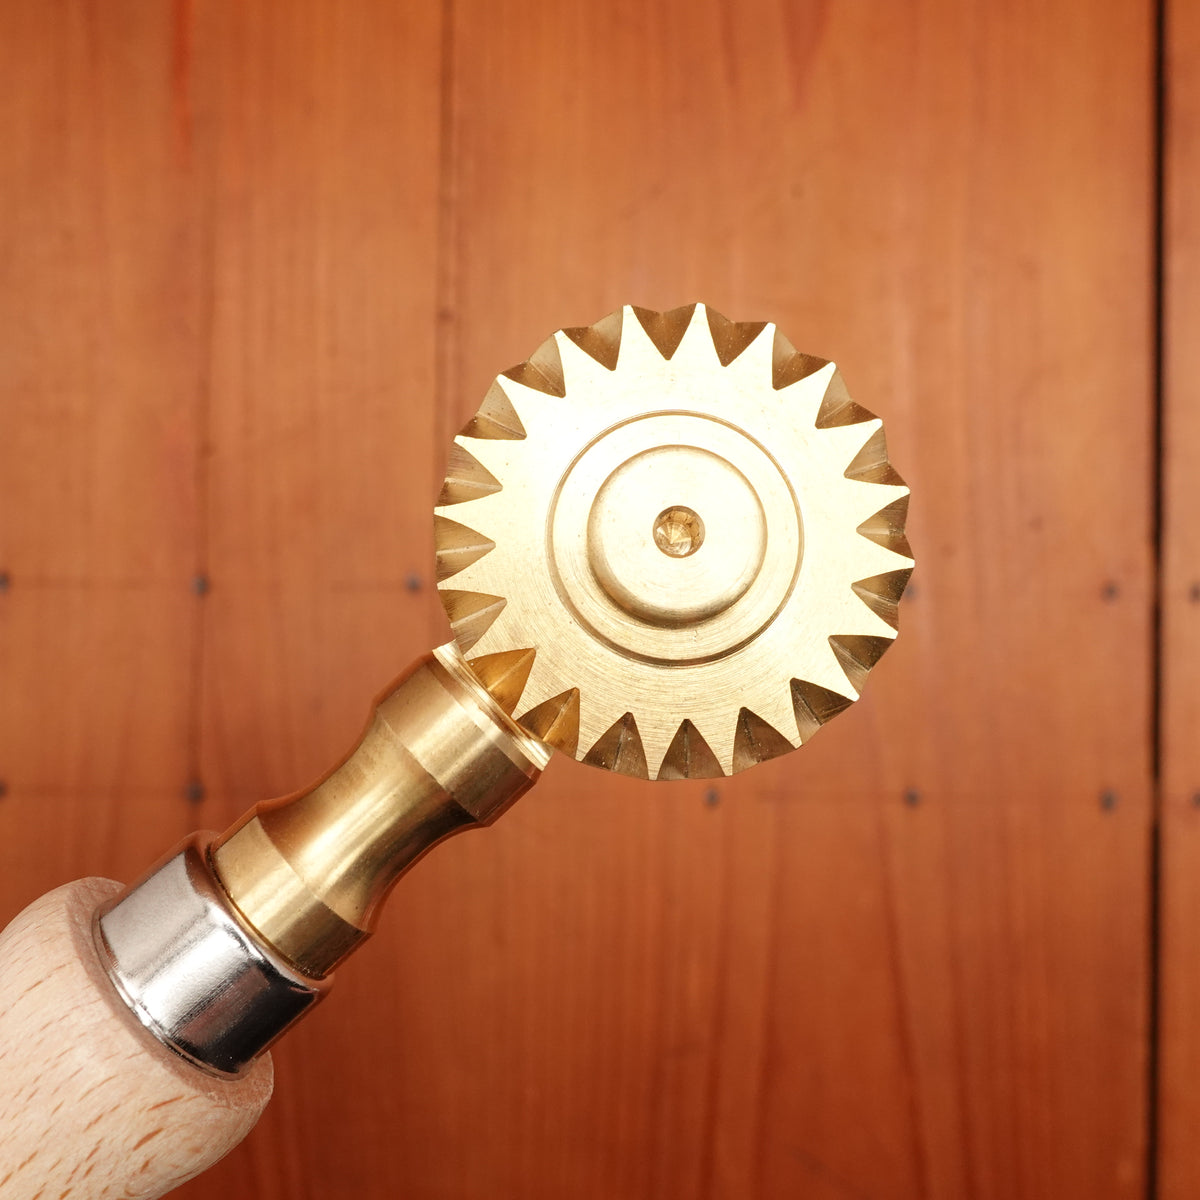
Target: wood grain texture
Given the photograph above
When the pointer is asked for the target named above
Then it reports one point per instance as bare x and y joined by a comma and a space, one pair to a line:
907, 962
855, 995
98, 447
1179, 945
92, 1106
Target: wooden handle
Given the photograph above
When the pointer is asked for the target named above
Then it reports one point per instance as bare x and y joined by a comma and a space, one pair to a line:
91, 1106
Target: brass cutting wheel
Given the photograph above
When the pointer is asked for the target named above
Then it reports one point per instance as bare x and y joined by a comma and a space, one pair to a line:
671, 543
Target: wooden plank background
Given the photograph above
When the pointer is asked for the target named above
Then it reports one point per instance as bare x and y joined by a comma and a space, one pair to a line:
1179, 947
260, 260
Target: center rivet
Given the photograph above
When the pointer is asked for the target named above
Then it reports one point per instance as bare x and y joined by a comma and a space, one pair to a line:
678, 531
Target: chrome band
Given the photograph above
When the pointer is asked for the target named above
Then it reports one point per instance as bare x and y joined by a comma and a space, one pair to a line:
191, 971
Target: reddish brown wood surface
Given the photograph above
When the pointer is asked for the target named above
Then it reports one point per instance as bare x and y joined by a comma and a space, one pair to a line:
1179, 947
260, 261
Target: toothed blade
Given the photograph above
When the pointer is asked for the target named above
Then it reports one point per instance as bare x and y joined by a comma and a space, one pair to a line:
586, 609
871, 464
838, 409
814, 706
886, 527
542, 371
496, 419
620, 750
504, 675
881, 594
466, 478
457, 546
471, 613
732, 338
789, 366
556, 721
665, 329
601, 341
857, 655
755, 741
689, 756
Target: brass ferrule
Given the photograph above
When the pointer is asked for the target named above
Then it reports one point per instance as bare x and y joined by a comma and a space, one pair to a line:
308, 873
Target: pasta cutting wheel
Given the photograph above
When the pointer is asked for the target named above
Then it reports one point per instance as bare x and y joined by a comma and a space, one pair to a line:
672, 543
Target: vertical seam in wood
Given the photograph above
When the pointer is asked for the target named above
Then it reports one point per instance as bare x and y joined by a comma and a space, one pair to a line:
774, 954
202, 166
902, 1009
446, 266
709, 1129
1159, 83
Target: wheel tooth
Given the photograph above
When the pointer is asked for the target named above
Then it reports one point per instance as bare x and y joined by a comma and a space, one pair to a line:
504, 675
881, 594
466, 478
665, 329
556, 721
838, 409
471, 614
620, 750
730, 338
755, 741
496, 419
542, 371
815, 706
602, 341
857, 654
789, 365
886, 527
458, 546
870, 464
689, 756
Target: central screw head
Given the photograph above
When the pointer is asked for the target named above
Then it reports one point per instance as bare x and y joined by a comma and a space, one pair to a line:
678, 531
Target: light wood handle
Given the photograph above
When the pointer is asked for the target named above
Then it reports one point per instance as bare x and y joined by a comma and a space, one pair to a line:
91, 1106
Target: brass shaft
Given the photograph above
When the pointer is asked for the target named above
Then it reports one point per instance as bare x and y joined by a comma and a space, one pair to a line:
309, 872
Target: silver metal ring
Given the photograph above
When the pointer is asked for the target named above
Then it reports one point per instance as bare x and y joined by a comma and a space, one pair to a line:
192, 972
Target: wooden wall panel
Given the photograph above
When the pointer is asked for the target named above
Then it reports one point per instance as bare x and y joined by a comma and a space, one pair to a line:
262, 261
98, 446
320, 458
1179, 946
848, 994
320, 125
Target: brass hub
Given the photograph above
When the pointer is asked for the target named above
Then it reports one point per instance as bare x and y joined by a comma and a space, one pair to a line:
675, 568
606, 560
